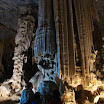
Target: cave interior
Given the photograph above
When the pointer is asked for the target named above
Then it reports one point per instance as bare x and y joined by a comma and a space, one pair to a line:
56, 45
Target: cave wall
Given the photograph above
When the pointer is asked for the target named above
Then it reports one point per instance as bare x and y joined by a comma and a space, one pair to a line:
6, 54
100, 9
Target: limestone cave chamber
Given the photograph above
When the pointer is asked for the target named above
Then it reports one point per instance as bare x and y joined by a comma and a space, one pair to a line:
55, 45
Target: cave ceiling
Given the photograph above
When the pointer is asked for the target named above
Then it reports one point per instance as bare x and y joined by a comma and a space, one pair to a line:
10, 11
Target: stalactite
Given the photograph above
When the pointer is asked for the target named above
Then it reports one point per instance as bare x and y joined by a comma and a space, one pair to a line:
65, 40
45, 34
80, 33
85, 41
84, 24
71, 41
63, 50
65, 31
58, 43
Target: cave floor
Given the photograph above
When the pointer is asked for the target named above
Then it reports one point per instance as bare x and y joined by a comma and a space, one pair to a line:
15, 99
10, 102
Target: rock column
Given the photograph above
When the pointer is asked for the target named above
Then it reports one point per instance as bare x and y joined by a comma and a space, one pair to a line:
22, 40
45, 47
